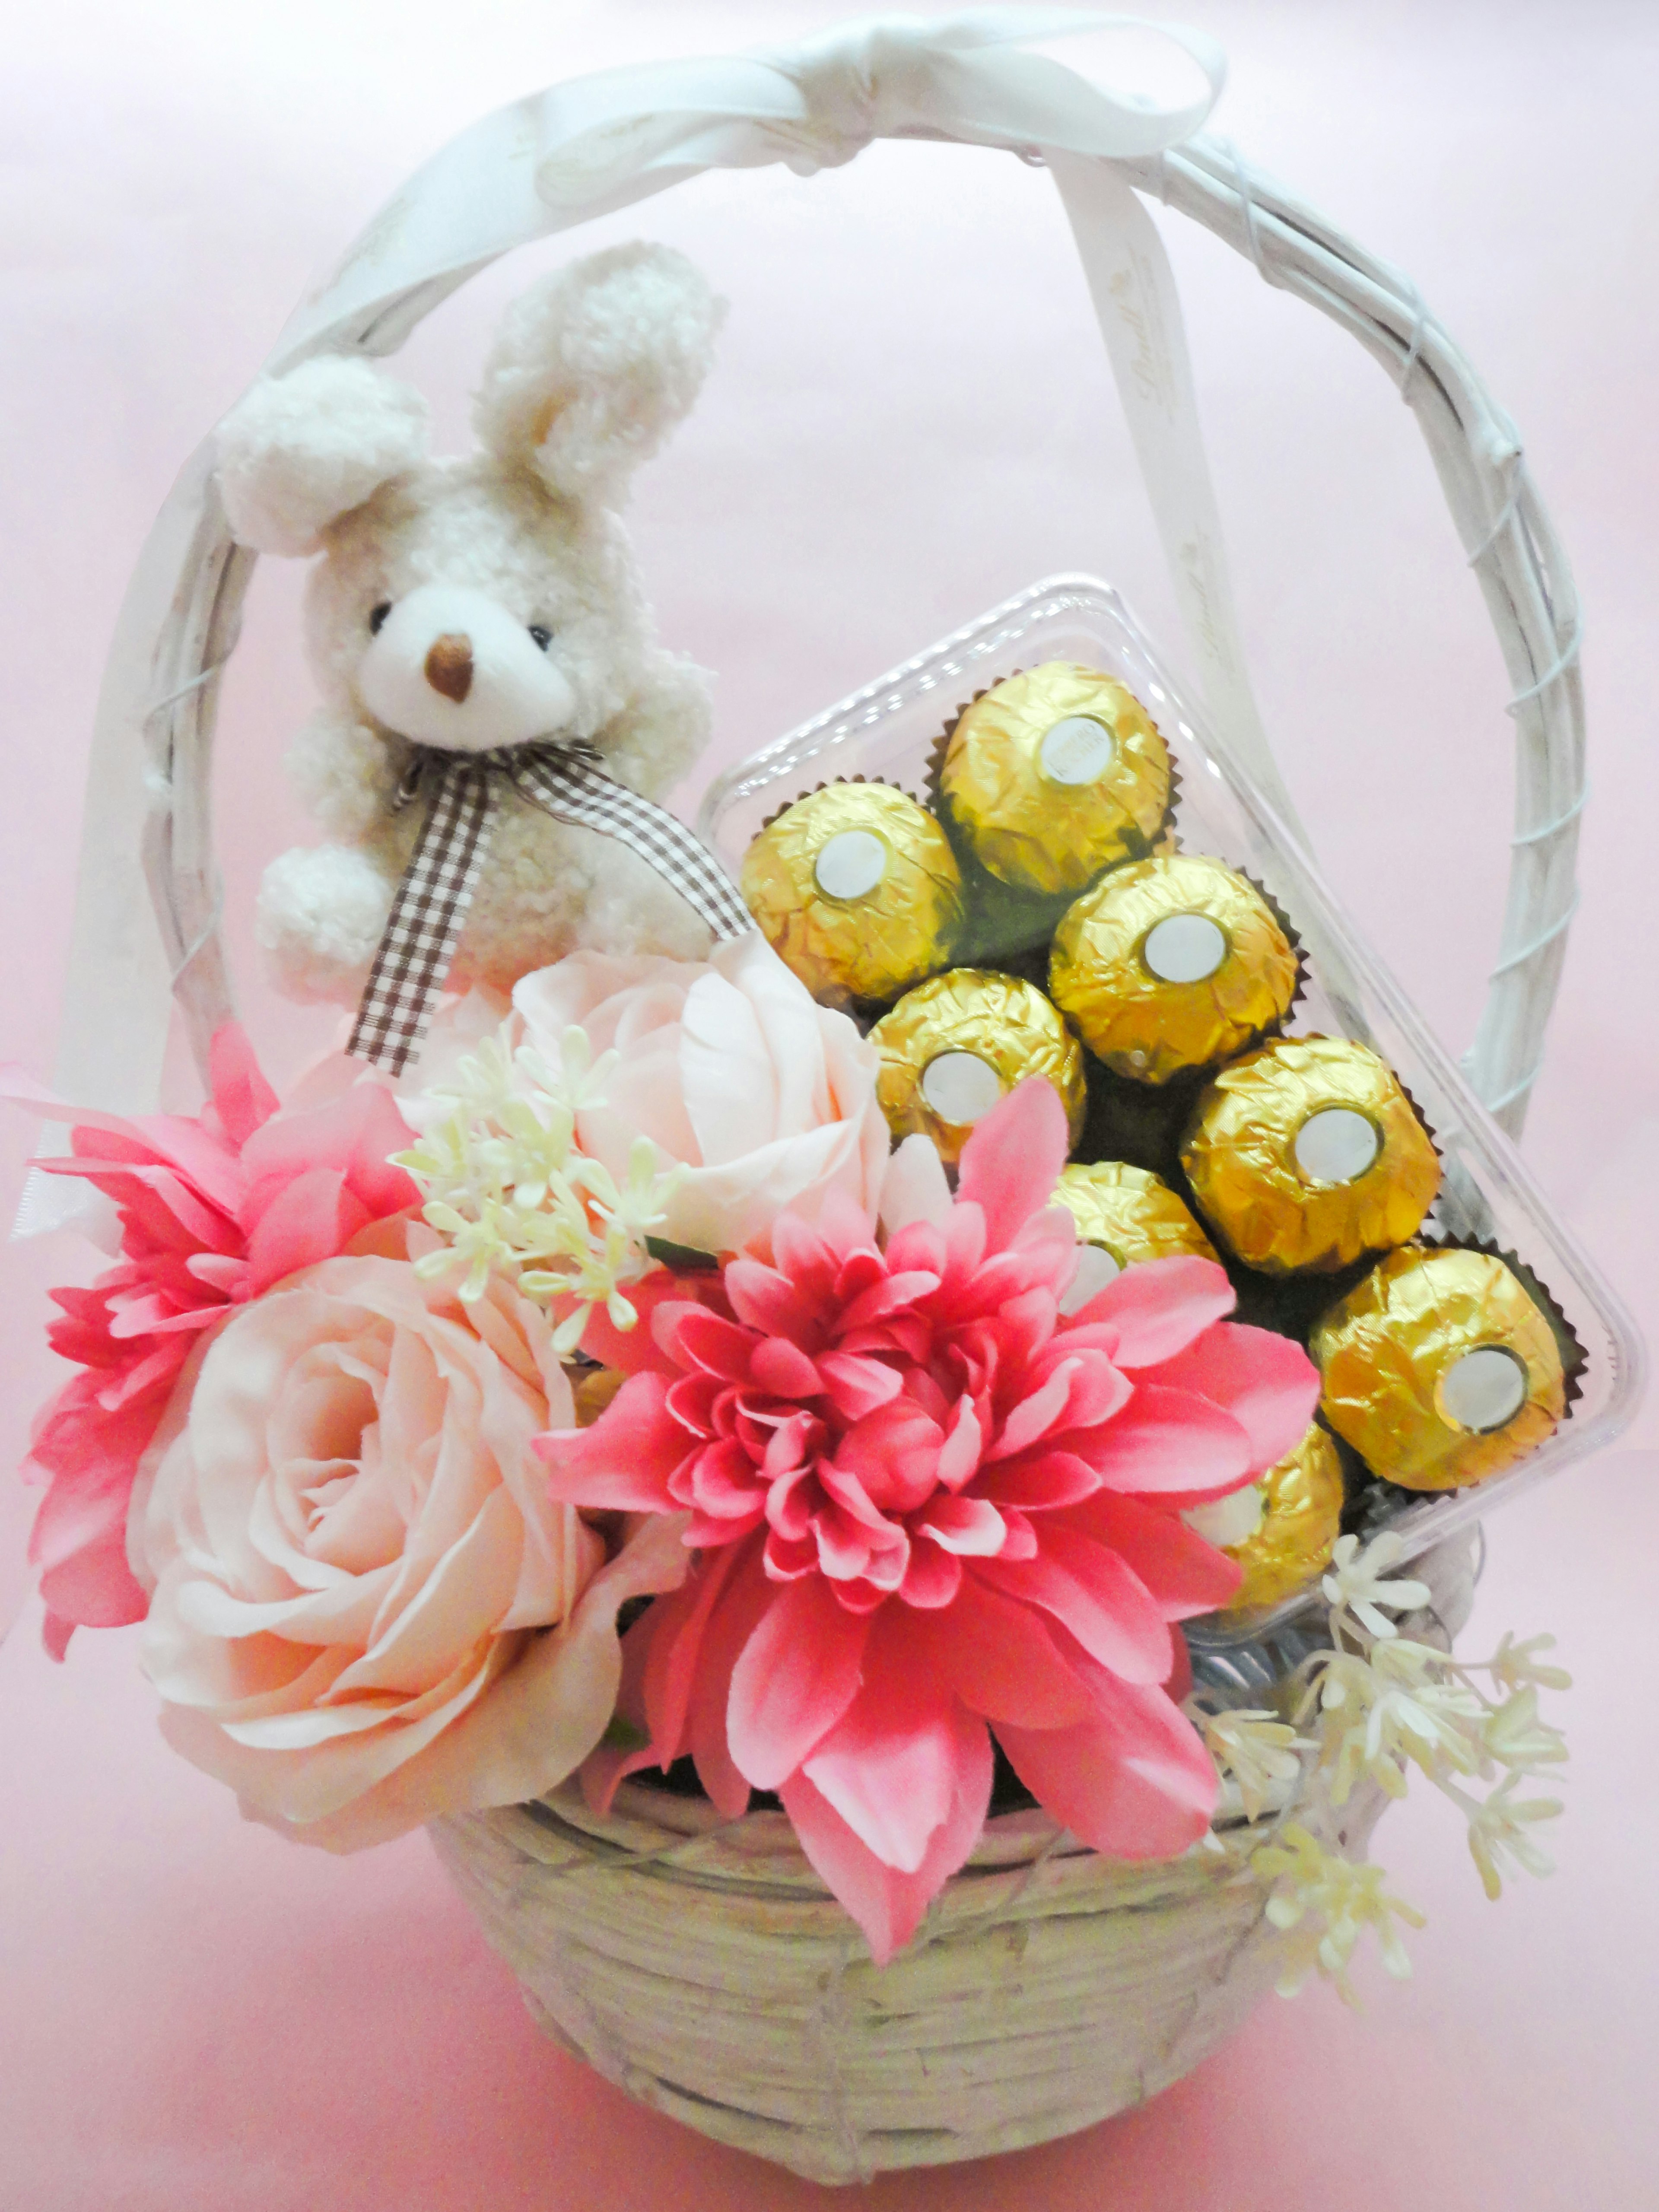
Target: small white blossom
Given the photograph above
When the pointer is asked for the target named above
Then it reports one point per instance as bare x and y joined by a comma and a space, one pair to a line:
1324, 1904
1499, 1829
1513, 1667
1257, 1749
1385, 1703
510, 1192
1516, 1737
1380, 1713
1354, 1583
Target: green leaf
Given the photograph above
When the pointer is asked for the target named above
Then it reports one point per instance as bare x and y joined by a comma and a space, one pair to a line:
623, 1734
683, 1259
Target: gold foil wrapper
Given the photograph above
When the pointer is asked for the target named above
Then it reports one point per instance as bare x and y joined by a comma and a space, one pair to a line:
592, 1389
1301, 1520
973, 1021
1391, 1355
882, 939
1129, 1213
1178, 915
1006, 778
1244, 1158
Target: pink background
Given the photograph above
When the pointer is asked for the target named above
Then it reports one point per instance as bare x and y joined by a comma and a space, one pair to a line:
911, 418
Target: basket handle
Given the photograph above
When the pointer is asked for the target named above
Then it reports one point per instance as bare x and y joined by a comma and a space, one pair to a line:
599, 143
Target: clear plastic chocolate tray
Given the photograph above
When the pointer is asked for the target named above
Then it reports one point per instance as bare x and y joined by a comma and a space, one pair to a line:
890, 731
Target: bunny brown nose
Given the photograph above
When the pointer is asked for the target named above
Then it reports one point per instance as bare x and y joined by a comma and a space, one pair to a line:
449, 665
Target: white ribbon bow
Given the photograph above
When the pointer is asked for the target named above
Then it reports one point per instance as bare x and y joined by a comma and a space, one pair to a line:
586, 149
972, 78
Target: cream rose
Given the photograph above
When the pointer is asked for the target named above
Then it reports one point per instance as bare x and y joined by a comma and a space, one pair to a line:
728, 1065
365, 1608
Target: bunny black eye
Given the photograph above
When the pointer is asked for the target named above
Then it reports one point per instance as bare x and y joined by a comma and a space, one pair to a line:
377, 616
543, 636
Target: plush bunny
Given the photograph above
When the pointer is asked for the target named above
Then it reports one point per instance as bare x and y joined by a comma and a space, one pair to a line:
478, 602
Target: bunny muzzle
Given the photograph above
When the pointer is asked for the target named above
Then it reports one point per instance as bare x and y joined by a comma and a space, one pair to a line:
450, 667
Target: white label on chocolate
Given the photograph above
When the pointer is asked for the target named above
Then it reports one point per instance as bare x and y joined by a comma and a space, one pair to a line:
1336, 1146
1230, 1519
1484, 1389
1185, 948
1096, 1267
1077, 751
851, 865
960, 1086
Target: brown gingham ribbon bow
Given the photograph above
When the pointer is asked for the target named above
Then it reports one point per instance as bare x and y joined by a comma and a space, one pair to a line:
562, 779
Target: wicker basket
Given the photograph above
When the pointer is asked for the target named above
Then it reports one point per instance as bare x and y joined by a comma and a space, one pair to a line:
703, 1965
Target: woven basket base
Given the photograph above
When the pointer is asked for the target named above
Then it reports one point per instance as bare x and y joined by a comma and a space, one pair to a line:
1048, 1988
702, 1966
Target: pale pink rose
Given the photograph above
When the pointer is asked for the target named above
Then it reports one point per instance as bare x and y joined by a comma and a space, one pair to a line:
728, 1065
353, 1558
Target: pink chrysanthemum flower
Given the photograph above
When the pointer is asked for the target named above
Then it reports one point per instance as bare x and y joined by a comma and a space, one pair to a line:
930, 1507
213, 1211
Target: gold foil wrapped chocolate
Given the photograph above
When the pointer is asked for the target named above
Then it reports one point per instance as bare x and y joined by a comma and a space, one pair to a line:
857, 890
1440, 1368
1171, 964
1306, 1153
952, 1047
591, 1389
1053, 775
1123, 1214
1301, 1520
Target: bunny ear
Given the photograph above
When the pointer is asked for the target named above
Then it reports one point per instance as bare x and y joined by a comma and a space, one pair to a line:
594, 367
297, 451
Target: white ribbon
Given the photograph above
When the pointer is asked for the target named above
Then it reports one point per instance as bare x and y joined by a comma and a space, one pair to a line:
589, 148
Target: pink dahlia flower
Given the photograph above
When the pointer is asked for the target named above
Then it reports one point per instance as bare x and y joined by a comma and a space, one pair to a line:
212, 1211
931, 1509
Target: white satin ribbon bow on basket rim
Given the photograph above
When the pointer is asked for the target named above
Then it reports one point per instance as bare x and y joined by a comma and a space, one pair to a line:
602, 142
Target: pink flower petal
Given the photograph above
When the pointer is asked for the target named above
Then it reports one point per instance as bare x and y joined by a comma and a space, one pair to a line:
310, 1218
890, 1767
914, 1188
723, 1483
797, 1675
674, 1648
240, 1094
1012, 1162
857, 1386
959, 1454
788, 1558
1158, 1308
799, 1253
697, 1338
1265, 1381
1019, 1540
635, 1350
768, 1301
735, 1618
970, 1527
782, 1369
892, 1294
1000, 1659
887, 1904
624, 1460
1185, 1575
933, 1577
921, 1247
1169, 1441
792, 1447
1133, 1781
1034, 1416
1046, 1480
844, 1486
843, 1543
1094, 1595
